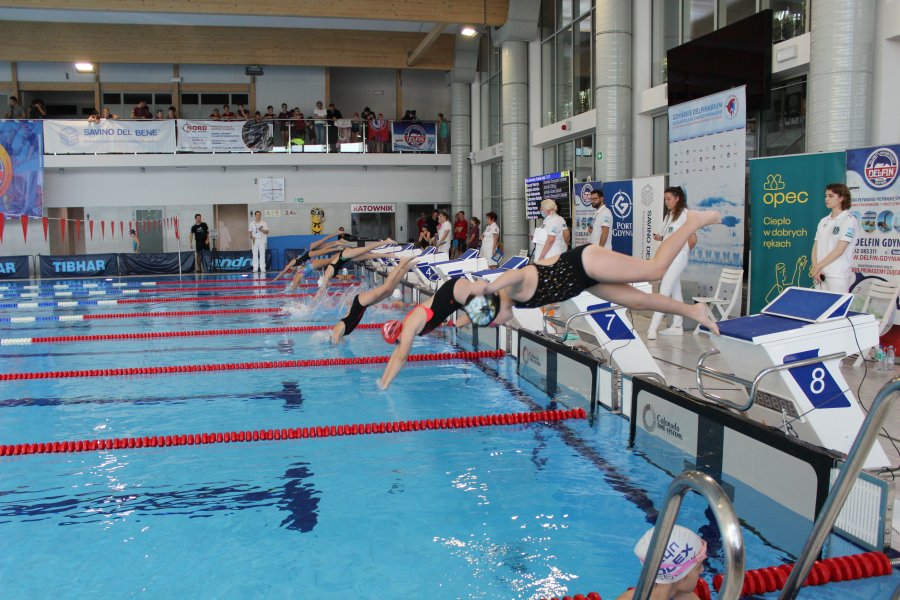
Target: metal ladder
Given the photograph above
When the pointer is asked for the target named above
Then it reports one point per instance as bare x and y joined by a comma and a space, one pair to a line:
863, 443
729, 527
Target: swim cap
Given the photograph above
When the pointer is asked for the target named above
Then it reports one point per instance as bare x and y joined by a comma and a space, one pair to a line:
483, 309
685, 549
397, 294
391, 330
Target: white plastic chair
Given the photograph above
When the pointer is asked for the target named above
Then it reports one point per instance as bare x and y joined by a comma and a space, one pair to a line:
718, 306
886, 293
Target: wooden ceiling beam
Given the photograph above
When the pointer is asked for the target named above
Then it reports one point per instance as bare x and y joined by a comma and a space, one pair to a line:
473, 12
425, 44
70, 42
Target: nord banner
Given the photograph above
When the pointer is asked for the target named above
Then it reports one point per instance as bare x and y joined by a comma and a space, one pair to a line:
14, 267
787, 199
85, 265
109, 136
225, 136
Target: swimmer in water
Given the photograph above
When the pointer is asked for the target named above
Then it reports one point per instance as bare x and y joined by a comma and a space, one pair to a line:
317, 248
334, 264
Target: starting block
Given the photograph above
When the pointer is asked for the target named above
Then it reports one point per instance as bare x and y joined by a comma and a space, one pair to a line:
788, 358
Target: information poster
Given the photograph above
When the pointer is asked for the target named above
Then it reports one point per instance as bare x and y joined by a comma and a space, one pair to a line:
21, 168
552, 186
872, 176
583, 217
786, 203
271, 189
619, 196
225, 136
707, 151
413, 136
108, 136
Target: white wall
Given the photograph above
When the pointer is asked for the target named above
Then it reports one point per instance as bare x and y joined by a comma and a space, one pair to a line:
55, 72
885, 83
212, 74
354, 89
137, 73
426, 92
296, 86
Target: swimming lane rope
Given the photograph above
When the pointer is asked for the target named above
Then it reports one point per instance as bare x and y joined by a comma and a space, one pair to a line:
274, 364
701, 590
73, 303
149, 315
156, 290
155, 335
260, 435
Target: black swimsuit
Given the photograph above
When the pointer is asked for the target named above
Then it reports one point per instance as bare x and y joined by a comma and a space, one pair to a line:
560, 281
442, 306
339, 263
353, 317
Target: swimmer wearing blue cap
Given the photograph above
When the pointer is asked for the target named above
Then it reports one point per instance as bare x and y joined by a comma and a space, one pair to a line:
366, 299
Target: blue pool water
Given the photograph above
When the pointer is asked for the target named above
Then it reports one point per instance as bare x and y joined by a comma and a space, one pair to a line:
519, 511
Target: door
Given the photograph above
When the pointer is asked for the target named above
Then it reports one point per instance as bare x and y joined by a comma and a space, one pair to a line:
231, 224
151, 237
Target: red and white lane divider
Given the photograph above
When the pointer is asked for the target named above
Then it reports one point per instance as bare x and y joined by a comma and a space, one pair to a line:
146, 315
74, 303
156, 335
261, 435
158, 290
275, 364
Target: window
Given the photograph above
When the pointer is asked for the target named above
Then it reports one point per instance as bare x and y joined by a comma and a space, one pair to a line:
784, 124
665, 36
661, 143
491, 191
789, 18
699, 18
133, 99
190, 98
575, 155
490, 93
731, 11
567, 59
162, 99
240, 99
112, 99
215, 99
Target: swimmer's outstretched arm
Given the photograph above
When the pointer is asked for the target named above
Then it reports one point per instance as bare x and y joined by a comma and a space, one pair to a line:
412, 325
352, 253
287, 268
384, 290
319, 242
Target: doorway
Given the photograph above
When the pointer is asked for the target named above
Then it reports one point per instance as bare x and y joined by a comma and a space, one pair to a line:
231, 222
151, 237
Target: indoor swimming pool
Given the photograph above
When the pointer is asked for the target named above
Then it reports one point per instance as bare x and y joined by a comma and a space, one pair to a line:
527, 510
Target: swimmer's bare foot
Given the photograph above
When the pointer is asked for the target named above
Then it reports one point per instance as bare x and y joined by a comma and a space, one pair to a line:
702, 218
698, 313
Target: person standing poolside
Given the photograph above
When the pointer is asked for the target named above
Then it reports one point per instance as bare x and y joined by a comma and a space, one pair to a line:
554, 239
443, 236
674, 217
681, 566
199, 239
832, 252
601, 227
490, 239
259, 234
135, 242
366, 299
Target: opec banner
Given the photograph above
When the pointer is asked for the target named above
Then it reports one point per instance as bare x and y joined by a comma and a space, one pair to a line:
786, 203
14, 267
707, 149
225, 136
21, 168
648, 214
619, 197
583, 217
109, 136
85, 265
413, 136
872, 176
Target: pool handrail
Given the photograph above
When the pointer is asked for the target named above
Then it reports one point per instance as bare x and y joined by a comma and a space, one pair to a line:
729, 529
850, 469
752, 387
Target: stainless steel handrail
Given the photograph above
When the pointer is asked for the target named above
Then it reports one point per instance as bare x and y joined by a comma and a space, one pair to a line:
576, 315
751, 386
857, 456
729, 528
650, 375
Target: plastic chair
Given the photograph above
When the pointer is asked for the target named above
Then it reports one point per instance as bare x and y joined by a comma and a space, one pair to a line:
881, 291
718, 307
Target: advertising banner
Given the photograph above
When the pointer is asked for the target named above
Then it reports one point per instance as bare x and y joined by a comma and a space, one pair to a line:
85, 265
21, 168
618, 196
236, 261
14, 267
109, 136
165, 263
872, 176
648, 214
413, 136
707, 148
786, 203
583, 217
225, 136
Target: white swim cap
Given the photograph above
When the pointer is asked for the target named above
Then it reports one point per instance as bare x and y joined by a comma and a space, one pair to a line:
685, 549
396, 295
320, 281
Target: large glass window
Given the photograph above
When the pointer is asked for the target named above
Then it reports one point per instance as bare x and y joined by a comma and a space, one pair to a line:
490, 93
699, 18
575, 155
491, 191
661, 143
564, 96
583, 64
665, 36
784, 124
789, 18
731, 11
566, 59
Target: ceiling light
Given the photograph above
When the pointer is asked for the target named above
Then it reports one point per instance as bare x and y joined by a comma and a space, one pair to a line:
84, 67
468, 31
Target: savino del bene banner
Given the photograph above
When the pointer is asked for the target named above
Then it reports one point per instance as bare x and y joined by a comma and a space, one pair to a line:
787, 200
21, 168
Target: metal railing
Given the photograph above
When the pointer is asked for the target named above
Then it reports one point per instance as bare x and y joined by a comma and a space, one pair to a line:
729, 529
752, 387
857, 456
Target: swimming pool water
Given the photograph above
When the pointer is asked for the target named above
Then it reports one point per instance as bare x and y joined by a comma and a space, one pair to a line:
520, 511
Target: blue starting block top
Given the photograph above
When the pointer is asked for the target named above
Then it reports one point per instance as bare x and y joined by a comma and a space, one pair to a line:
515, 262
747, 328
812, 306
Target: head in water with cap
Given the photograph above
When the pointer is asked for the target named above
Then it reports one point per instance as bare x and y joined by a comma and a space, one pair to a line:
681, 566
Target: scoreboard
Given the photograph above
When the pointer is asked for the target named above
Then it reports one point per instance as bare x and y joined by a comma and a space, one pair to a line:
553, 186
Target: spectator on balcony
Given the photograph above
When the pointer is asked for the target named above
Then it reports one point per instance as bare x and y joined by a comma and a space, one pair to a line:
173, 113
407, 116
141, 111
215, 115
380, 132
284, 124
270, 113
15, 109
333, 114
94, 116
298, 133
257, 117
242, 112
355, 127
159, 114
364, 115
443, 134
226, 112
320, 122
107, 114
37, 110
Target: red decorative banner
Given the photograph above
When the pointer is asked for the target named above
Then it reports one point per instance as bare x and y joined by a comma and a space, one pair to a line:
91, 227
45, 221
102, 229
62, 229
25, 227
177, 237
121, 228
2, 222
112, 229
78, 229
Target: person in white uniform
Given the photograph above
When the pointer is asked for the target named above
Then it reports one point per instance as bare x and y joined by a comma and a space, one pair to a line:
601, 227
832, 252
552, 238
443, 236
490, 239
674, 217
259, 232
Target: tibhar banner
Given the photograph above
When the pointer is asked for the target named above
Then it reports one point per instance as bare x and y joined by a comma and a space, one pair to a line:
583, 217
786, 202
872, 176
648, 214
85, 265
707, 149
619, 197
413, 136
21, 168
109, 137
14, 267
225, 136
